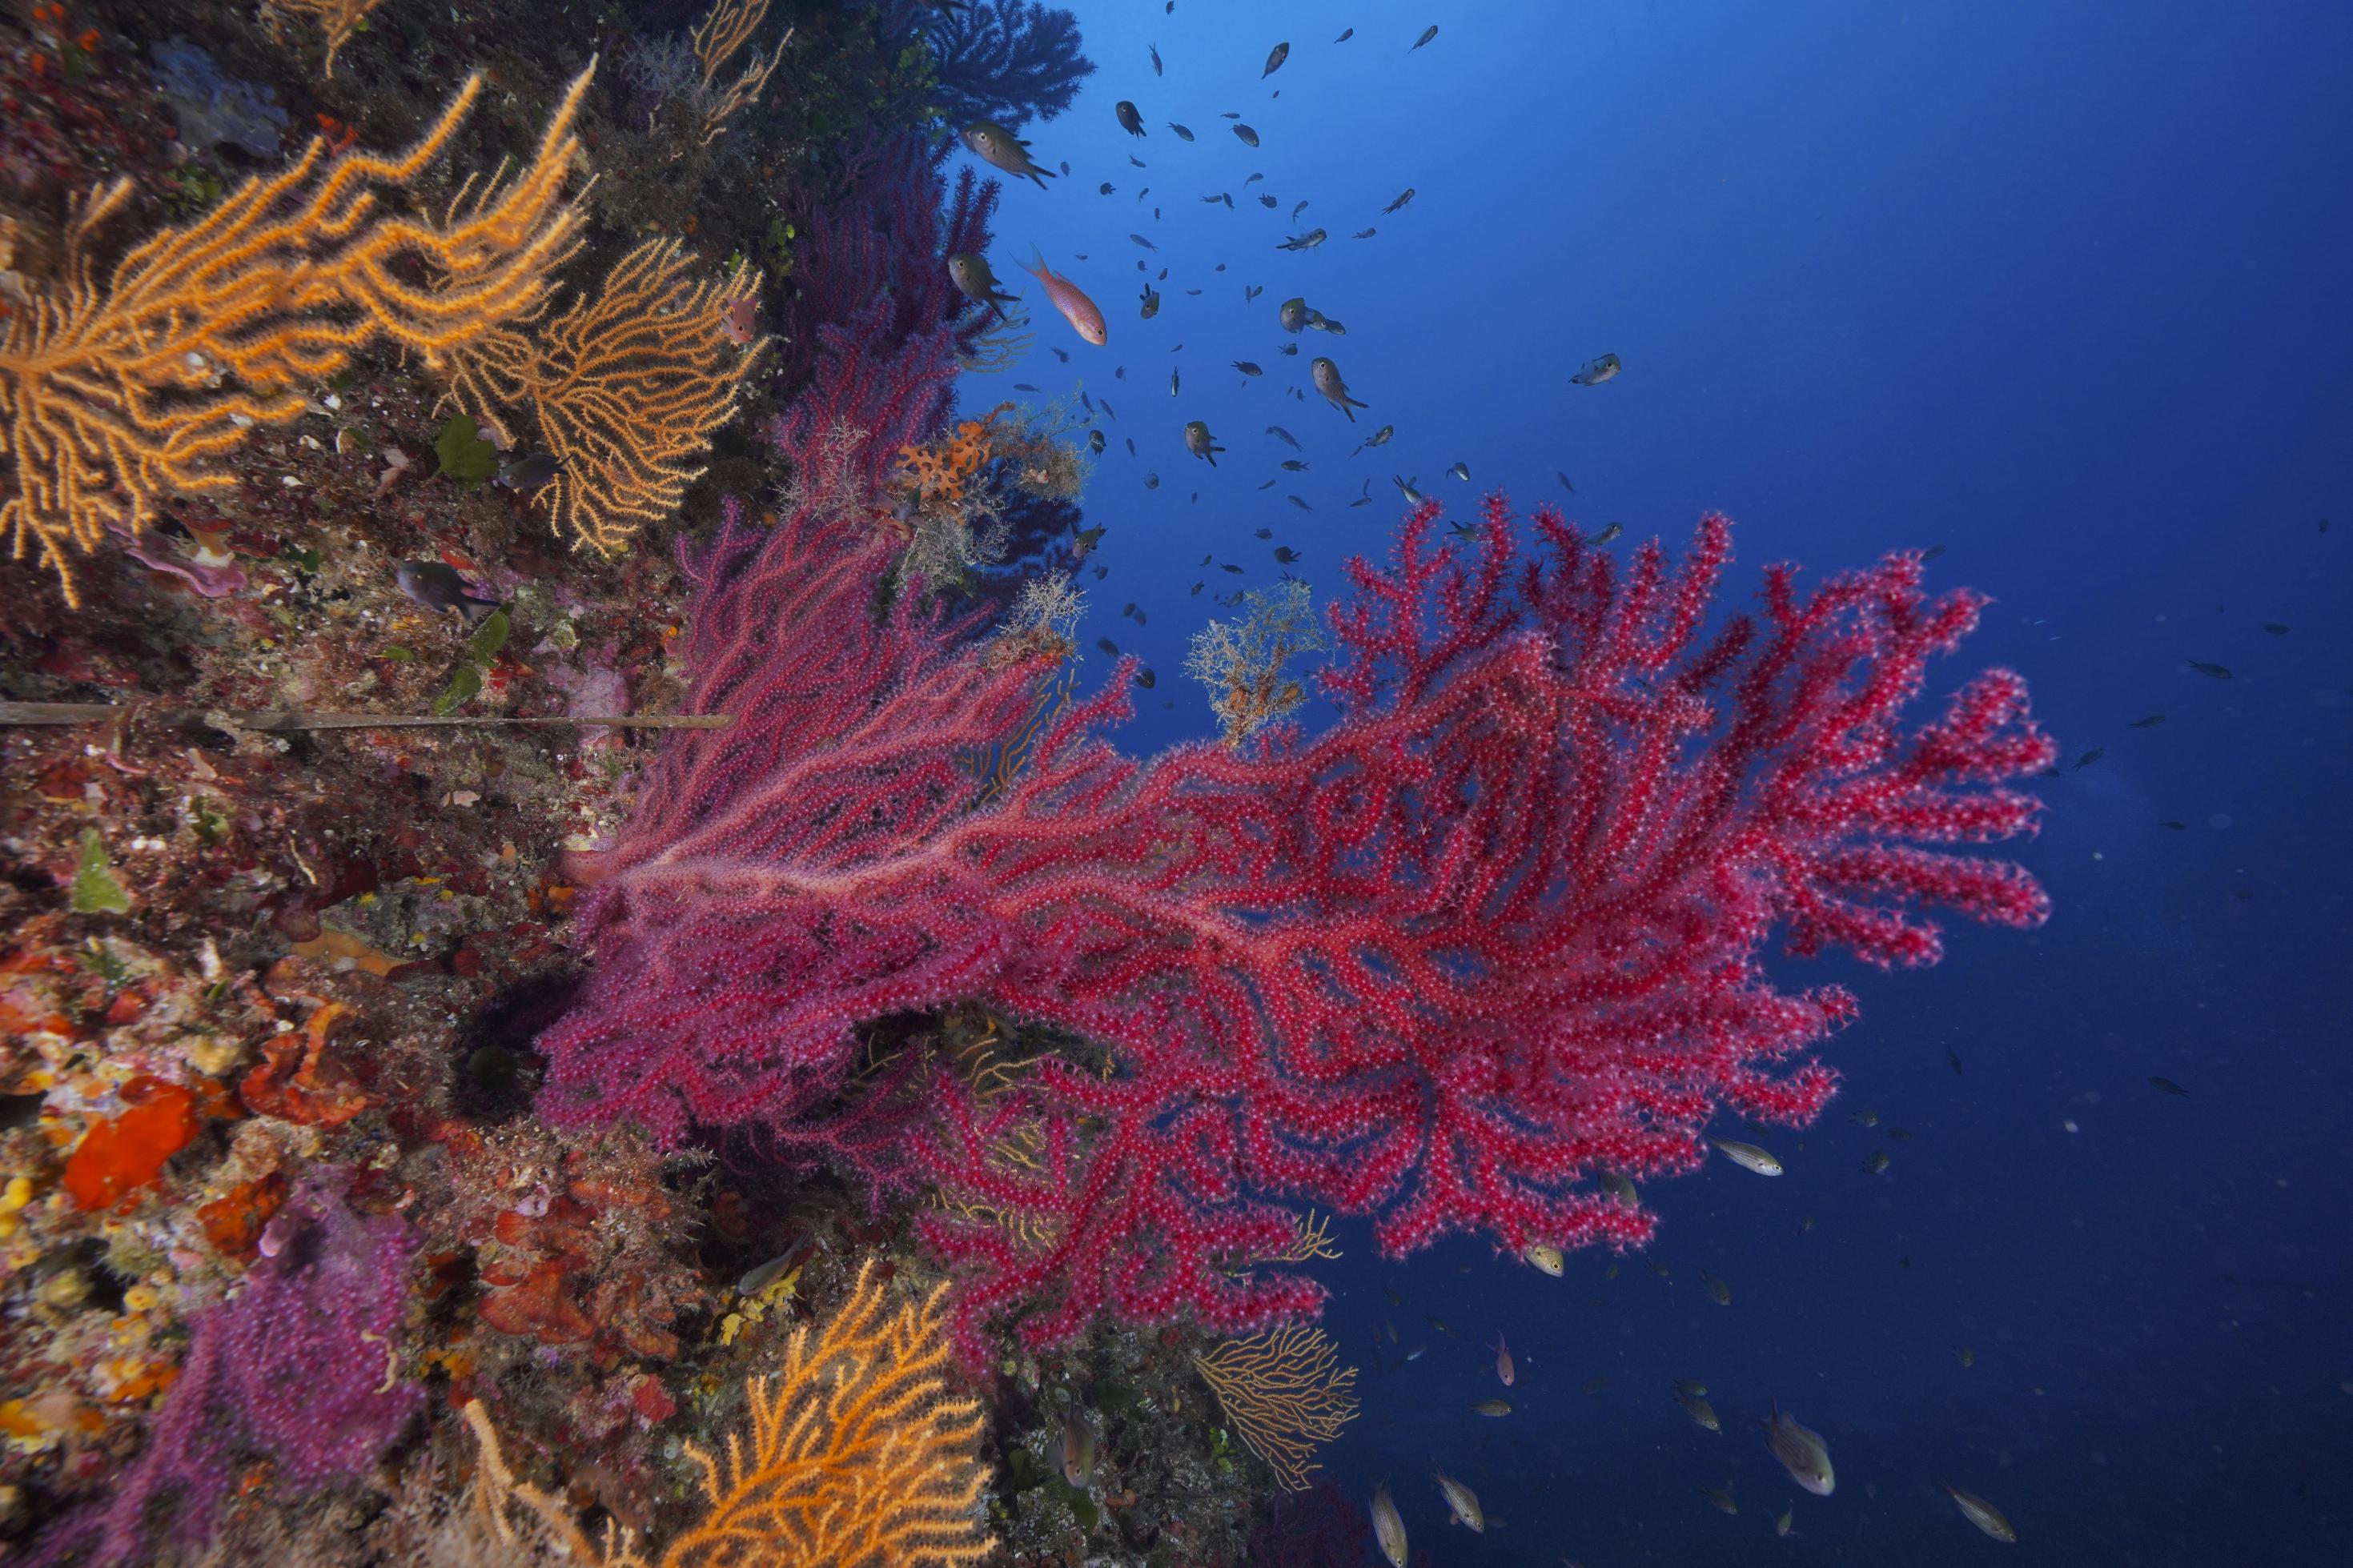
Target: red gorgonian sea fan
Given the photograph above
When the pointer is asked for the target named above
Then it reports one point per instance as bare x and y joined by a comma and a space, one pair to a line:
1493, 931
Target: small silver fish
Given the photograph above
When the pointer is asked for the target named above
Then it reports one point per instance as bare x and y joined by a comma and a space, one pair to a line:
1249, 136
1801, 1452
1078, 1451
1348, 33
1275, 56
765, 1274
1748, 1156
1564, 481
1129, 119
1609, 534
976, 282
1981, 1513
1605, 368
1151, 302
1381, 435
1285, 437
1197, 441
1294, 465
1388, 1528
1105, 189
1182, 134
1404, 488
1095, 441
1172, 383
1492, 1407
1702, 1413
1503, 1368
1401, 200
1363, 234
1326, 376
1292, 313
1460, 472
1463, 1502
1308, 241
1144, 242
1154, 48
1425, 37
1007, 152
1248, 368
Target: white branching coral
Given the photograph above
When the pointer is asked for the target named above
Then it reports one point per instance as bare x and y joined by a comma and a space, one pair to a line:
1241, 662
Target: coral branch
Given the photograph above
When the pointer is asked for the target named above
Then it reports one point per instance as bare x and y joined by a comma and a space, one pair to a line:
115, 392
626, 386
1285, 1393
1006, 60
338, 19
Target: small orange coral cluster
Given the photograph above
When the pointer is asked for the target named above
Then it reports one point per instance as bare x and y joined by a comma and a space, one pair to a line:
557, 1280
937, 474
118, 1156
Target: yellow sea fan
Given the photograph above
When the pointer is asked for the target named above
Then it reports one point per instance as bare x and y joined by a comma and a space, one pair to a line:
1284, 1393
858, 1458
116, 392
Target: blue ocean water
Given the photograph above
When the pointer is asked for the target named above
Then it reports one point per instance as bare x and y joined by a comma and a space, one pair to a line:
2061, 287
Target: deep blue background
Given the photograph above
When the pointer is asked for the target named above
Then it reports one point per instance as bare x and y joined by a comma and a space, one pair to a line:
2062, 286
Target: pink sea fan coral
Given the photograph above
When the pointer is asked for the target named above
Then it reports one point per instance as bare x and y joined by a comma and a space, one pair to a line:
1496, 929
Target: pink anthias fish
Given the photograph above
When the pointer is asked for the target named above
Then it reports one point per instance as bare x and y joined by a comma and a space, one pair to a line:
1072, 302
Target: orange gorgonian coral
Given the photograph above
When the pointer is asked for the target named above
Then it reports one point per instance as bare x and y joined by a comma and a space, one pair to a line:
116, 392
338, 19
628, 385
859, 1457
1285, 1393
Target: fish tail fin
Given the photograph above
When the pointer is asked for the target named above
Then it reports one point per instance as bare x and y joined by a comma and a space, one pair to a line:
1037, 263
